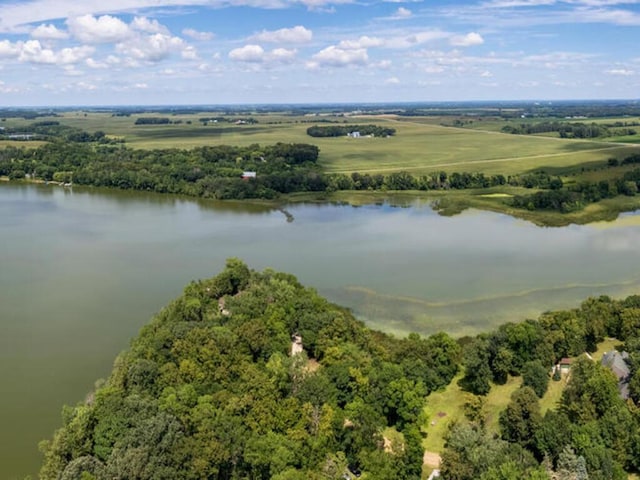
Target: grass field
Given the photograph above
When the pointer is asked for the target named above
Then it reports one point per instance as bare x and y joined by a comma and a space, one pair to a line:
421, 145
422, 148
447, 406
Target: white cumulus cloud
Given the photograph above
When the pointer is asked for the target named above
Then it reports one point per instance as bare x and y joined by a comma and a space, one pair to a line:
8, 49
340, 57
92, 63
415, 39
32, 51
282, 55
468, 40
48, 32
152, 48
362, 42
143, 24
189, 53
297, 34
249, 53
104, 29
257, 54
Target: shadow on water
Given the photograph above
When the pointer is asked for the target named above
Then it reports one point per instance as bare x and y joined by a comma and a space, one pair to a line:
141, 198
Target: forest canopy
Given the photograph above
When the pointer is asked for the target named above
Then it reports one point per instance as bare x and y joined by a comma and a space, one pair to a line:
250, 375
212, 389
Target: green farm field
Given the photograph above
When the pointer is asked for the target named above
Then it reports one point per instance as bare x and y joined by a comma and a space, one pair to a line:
421, 144
423, 148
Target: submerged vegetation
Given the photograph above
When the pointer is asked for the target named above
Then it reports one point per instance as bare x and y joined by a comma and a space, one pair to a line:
251, 375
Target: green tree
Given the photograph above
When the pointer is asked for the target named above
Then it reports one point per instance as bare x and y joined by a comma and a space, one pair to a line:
477, 374
571, 466
552, 435
536, 376
469, 452
521, 419
591, 391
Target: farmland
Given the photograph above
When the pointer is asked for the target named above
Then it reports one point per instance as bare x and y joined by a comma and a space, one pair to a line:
422, 145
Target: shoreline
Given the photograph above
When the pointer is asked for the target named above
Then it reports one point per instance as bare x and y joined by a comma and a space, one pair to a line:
445, 202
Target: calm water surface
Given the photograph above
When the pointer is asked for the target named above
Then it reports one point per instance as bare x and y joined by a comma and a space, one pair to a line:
82, 271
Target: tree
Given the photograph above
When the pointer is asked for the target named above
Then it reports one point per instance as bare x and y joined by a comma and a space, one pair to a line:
552, 435
401, 181
501, 365
469, 452
520, 420
512, 470
571, 466
477, 375
536, 376
16, 174
592, 391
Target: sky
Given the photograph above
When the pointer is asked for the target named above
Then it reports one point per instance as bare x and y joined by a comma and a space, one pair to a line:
191, 52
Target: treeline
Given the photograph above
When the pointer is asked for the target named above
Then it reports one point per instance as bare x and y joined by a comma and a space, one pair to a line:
51, 130
570, 130
344, 130
219, 119
26, 113
630, 160
211, 389
593, 433
154, 121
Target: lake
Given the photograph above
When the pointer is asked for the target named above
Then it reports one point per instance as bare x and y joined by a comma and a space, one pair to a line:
83, 270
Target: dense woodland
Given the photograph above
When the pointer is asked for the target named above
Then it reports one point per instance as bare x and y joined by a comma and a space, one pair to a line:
209, 172
212, 389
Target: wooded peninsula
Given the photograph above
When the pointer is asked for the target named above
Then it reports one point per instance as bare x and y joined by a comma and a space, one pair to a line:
252, 375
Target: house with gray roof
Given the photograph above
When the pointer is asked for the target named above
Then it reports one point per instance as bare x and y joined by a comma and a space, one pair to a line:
616, 362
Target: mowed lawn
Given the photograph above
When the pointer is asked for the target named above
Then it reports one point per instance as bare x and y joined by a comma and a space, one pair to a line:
447, 406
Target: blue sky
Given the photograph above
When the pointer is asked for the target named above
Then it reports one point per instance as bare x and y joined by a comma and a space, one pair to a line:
121, 52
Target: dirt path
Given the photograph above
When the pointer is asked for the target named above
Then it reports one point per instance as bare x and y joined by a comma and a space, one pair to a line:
431, 459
